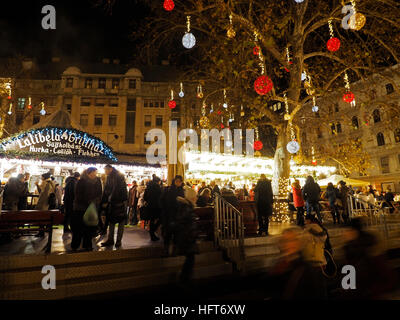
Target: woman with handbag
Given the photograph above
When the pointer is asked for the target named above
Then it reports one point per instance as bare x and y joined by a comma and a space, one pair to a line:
88, 190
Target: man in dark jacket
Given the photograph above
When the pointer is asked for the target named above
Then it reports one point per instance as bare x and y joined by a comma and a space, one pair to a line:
311, 193
152, 197
13, 190
264, 199
69, 196
23, 200
115, 200
170, 209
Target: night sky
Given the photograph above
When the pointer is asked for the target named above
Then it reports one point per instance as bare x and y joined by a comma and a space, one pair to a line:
83, 31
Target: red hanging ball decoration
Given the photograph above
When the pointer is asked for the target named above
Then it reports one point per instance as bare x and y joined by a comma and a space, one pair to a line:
169, 5
333, 44
219, 112
258, 145
314, 162
256, 50
348, 97
29, 107
172, 104
9, 97
263, 85
222, 126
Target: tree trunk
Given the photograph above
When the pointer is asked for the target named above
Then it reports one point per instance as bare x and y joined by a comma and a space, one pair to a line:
281, 161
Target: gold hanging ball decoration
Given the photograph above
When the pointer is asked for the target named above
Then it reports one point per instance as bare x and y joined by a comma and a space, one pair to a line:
204, 122
307, 84
231, 33
310, 91
358, 22
286, 117
257, 154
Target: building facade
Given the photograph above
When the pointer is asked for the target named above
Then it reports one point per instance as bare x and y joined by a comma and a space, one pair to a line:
117, 107
372, 119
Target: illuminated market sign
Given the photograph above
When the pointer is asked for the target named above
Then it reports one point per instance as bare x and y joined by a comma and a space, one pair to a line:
57, 142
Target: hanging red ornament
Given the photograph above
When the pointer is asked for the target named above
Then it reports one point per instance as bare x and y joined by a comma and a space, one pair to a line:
256, 50
29, 107
333, 44
219, 112
314, 162
171, 104
258, 145
348, 97
169, 5
222, 126
9, 97
263, 85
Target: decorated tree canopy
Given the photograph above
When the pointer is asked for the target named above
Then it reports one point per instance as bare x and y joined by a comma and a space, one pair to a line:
54, 143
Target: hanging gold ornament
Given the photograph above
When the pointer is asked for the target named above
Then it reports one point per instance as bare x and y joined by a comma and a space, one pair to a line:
231, 33
257, 154
307, 84
310, 91
357, 21
204, 122
286, 117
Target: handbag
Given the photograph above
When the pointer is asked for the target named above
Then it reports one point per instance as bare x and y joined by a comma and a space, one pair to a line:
90, 217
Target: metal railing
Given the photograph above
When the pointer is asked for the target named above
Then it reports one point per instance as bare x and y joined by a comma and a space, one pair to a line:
377, 217
229, 231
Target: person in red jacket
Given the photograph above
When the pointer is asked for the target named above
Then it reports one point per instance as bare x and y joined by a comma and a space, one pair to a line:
298, 202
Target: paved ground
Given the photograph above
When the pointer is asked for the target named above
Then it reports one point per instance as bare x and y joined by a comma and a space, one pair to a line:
134, 237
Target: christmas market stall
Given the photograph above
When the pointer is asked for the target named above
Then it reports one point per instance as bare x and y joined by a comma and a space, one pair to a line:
60, 148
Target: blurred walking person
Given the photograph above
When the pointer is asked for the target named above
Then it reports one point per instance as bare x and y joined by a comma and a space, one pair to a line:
115, 200
344, 192
87, 190
13, 191
331, 195
264, 199
132, 203
23, 200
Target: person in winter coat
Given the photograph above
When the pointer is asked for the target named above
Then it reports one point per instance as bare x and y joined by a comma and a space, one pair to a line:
186, 232
23, 200
331, 195
215, 190
141, 202
298, 202
311, 194
152, 197
204, 199
69, 196
115, 200
13, 190
264, 199
87, 190
47, 191
343, 194
132, 203
170, 208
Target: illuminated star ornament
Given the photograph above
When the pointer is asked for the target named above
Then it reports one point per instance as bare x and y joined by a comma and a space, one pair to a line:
169, 5
333, 43
188, 40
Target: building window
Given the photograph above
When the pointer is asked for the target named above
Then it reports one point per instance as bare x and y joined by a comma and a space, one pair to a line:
69, 108
36, 118
339, 128
100, 102
88, 83
21, 103
19, 118
69, 83
397, 135
336, 107
132, 84
131, 106
68, 103
153, 103
130, 121
354, 122
115, 83
113, 102
102, 83
145, 141
98, 119
389, 88
178, 120
159, 121
84, 120
147, 120
112, 120
380, 139
85, 102
333, 128
377, 116
385, 165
